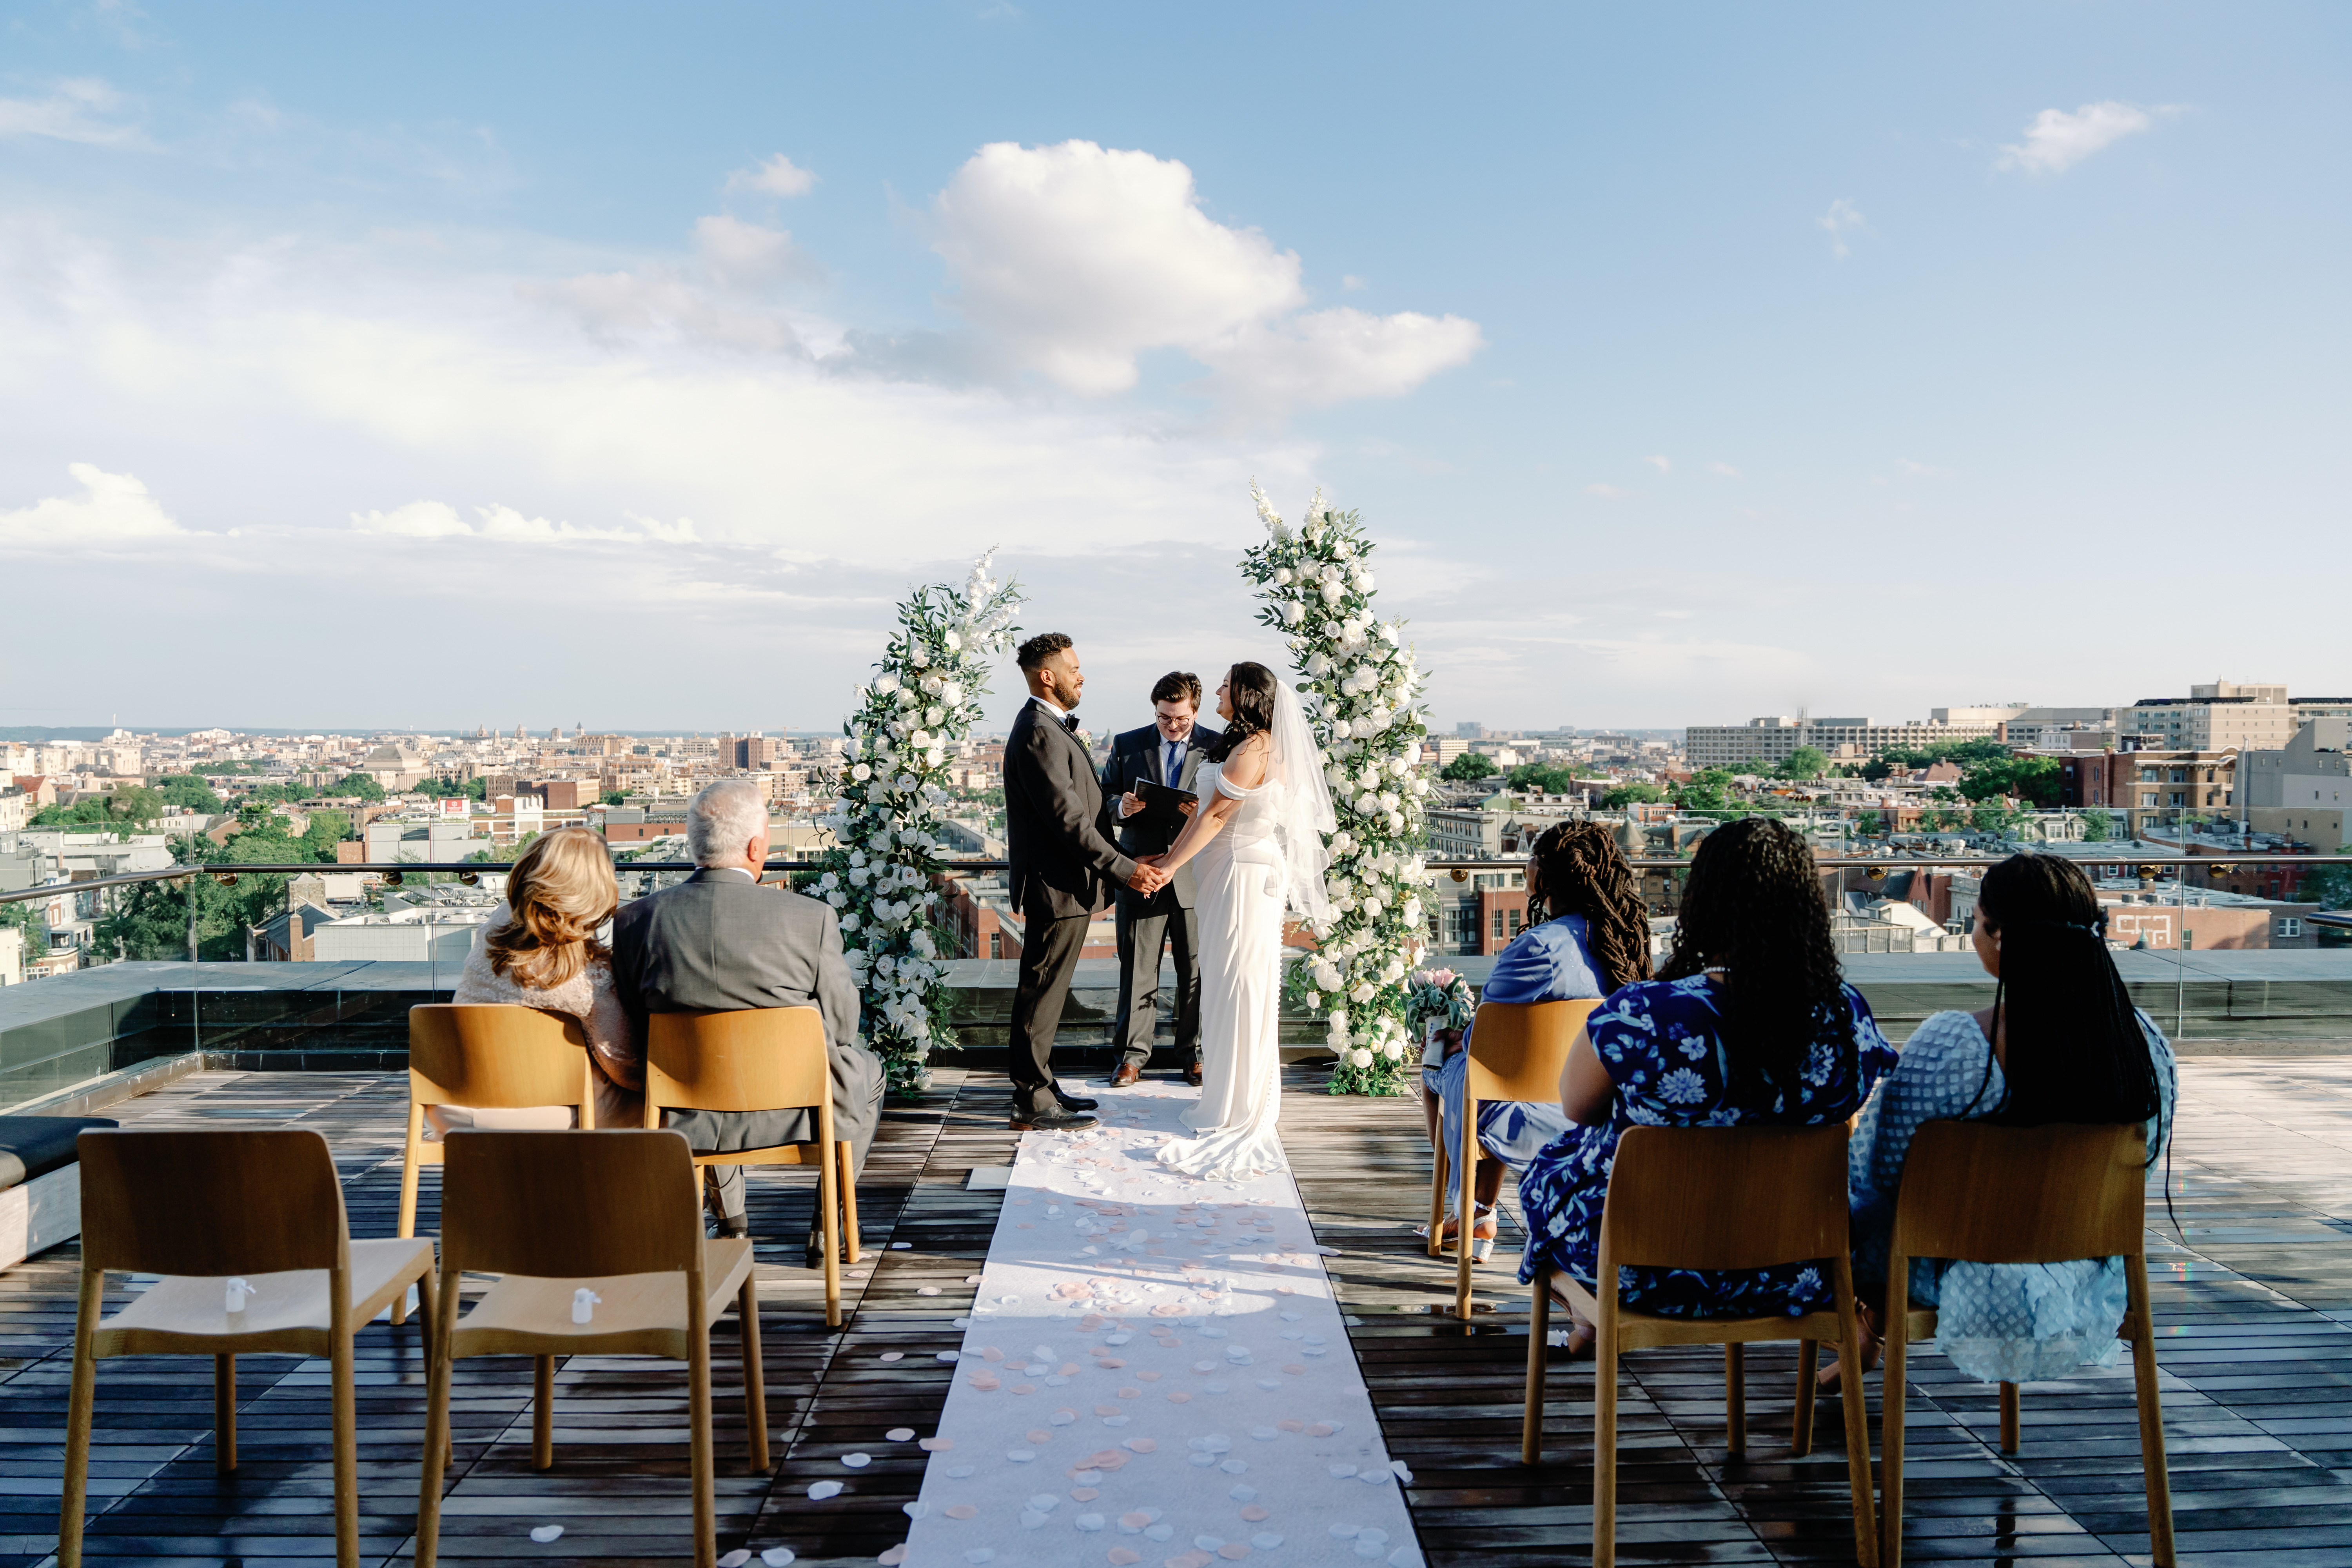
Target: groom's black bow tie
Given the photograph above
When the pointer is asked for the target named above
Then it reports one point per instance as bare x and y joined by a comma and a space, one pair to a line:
1070, 722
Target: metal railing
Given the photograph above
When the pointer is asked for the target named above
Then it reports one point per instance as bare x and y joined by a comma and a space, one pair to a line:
394, 871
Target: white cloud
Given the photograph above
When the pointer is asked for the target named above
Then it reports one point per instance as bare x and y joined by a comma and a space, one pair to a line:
1078, 259
779, 176
746, 256
67, 115
1350, 282
1607, 492
2057, 141
1724, 470
1662, 464
1910, 470
437, 520
1842, 218
114, 508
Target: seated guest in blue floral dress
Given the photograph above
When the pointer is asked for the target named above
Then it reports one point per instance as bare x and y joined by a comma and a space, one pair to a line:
1592, 936
2062, 1042
1748, 1024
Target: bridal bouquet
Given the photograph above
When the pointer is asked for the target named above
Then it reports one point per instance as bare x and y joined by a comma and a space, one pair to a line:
882, 872
1361, 687
1438, 998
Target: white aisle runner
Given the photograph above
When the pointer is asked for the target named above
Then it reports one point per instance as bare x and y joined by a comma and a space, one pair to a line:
1155, 1372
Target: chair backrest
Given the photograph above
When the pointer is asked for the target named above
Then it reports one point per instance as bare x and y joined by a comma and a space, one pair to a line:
1518, 1049
1983, 1193
755, 1059
495, 1057
232, 1202
564, 1205
1725, 1197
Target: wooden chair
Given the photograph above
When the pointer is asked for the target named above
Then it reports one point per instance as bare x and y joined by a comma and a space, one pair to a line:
1517, 1051
488, 1057
761, 1058
614, 1212
1733, 1197
198, 1209
1981, 1193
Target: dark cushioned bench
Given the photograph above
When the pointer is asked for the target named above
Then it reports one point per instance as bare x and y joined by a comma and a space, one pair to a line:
33, 1146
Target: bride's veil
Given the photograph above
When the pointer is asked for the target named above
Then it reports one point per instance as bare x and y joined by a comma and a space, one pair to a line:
1303, 813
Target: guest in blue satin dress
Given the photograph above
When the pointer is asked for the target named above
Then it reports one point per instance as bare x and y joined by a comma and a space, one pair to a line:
1750, 1025
2062, 1042
1592, 936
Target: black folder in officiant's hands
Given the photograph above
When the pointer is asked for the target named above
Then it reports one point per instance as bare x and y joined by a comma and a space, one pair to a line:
1159, 807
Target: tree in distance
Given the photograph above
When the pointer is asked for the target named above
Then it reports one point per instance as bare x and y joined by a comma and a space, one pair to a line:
1804, 763
1627, 795
1469, 767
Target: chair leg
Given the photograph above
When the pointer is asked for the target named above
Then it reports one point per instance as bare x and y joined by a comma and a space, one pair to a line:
1857, 1412
1437, 1178
1808, 1366
1466, 1203
1604, 1434
2008, 1418
1735, 1400
542, 1413
705, 1510
828, 1206
848, 1201
428, 1320
78, 1409
1538, 1347
755, 1375
1890, 1415
347, 1449
224, 1414
2151, 1415
437, 1425
408, 1182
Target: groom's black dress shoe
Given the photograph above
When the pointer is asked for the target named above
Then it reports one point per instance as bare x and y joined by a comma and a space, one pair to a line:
1074, 1102
1055, 1121
1193, 1075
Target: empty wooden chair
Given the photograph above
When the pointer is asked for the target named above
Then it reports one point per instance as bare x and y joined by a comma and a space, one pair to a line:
614, 1213
202, 1209
761, 1058
488, 1057
1715, 1198
1980, 1194
1517, 1051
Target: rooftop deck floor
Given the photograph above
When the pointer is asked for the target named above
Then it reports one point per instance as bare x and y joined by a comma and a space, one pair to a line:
2255, 1313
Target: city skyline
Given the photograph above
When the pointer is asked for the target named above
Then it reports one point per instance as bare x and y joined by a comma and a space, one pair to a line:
1689, 365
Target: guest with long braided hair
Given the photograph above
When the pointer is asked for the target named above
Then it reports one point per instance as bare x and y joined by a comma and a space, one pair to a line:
2062, 1042
1588, 935
1748, 1024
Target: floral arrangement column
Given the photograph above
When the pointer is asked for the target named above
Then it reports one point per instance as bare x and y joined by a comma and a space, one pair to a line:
881, 874
1361, 687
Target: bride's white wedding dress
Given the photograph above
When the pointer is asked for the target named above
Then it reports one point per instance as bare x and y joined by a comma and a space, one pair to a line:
1242, 877
1268, 856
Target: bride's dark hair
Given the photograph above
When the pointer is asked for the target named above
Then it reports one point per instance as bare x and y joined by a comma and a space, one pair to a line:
1251, 688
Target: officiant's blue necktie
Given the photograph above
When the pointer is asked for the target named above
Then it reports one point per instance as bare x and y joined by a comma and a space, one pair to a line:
1174, 765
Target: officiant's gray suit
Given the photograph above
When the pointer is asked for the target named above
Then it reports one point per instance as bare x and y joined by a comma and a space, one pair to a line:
720, 943
1148, 922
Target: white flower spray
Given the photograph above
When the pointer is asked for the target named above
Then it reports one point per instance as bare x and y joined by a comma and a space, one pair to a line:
883, 872
1362, 691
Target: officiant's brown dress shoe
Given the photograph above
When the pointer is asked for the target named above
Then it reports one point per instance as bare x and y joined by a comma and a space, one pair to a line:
1127, 1074
1193, 1075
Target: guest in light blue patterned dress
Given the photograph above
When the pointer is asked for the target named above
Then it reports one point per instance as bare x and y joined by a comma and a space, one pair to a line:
1750, 1024
1593, 937
2066, 1044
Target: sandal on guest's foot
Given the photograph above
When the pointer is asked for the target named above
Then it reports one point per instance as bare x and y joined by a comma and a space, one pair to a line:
1484, 1231
1830, 1377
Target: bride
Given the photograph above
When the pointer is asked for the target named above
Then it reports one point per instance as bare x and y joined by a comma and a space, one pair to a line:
1259, 836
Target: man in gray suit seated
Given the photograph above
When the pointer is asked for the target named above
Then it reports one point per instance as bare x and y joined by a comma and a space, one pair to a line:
718, 943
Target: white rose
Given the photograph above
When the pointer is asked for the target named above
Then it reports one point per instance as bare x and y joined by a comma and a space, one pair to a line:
1388, 801
1332, 593
1392, 1049
1282, 576
1292, 612
1362, 993
951, 693
849, 923
1396, 821
1359, 1057
861, 773
954, 641
836, 897
886, 684
1327, 975
1411, 912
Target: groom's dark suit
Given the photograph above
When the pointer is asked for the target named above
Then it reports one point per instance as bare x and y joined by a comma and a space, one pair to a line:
1148, 921
1064, 872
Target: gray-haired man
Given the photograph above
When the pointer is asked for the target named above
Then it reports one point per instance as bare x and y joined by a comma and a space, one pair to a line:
717, 942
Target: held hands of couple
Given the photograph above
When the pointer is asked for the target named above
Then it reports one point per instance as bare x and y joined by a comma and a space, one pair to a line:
1149, 877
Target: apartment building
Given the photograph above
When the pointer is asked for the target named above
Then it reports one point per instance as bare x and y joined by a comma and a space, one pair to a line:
1764, 744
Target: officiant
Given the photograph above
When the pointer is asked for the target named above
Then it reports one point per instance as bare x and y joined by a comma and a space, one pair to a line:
1165, 754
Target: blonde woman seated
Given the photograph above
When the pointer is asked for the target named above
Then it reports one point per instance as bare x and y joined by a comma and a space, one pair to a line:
539, 949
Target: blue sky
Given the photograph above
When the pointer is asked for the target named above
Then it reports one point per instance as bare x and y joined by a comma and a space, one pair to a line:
460, 364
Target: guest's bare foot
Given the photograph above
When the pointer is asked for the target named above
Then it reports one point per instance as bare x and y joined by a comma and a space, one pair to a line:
1872, 1347
1580, 1334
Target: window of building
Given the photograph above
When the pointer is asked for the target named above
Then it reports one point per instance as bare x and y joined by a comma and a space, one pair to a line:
996, 944
2180, 797
1498, 925
1516, 918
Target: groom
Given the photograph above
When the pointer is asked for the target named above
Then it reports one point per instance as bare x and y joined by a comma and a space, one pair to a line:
1063, 872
